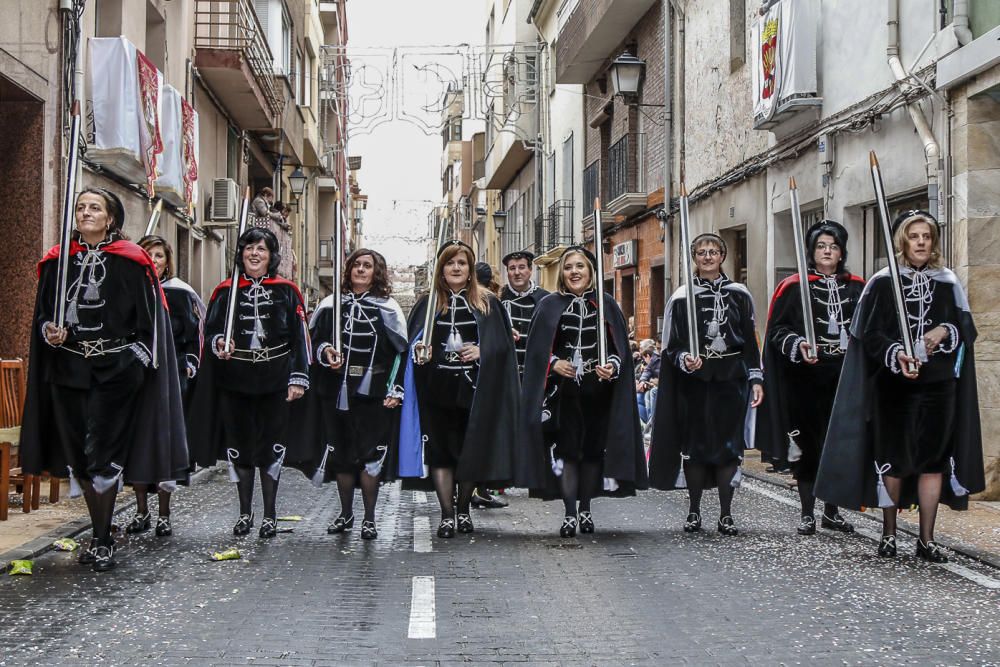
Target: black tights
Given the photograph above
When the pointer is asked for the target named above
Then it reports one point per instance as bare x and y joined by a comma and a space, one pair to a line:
808, 500
444, 485
101, 507
579, 481
369, 493
268, 488
928, 497
142, 500
698, 477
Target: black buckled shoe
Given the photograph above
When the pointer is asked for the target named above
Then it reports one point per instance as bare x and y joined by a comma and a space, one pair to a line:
368, 530
138, 524
104, 558
931, 552
727, 526
446, 528
86, 556
568, 527
586, 522
341, 524
887, 546
268, 528
465, 523
693, 523
807, 526
837, 523
163, 527
243, 525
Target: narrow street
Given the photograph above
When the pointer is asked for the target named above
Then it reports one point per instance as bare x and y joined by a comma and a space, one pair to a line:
639, 591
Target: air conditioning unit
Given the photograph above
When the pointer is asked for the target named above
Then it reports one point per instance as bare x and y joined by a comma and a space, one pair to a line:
225, 194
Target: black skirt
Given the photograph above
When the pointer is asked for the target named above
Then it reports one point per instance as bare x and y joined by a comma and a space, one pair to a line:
358, 436
712, 419
913, 426
579, 426
813, 389
444, 428
255, 426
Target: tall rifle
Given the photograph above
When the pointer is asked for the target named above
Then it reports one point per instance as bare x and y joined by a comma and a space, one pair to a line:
691, 307
800, 261
338, 270
427, 338
154, 218
235, 278
69, 216
602, 336
890, 254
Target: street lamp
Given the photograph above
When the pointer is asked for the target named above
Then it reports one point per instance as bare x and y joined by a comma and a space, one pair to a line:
297, 181
626, 71
499, 220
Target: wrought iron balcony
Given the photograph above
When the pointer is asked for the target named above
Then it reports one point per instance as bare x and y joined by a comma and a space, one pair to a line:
627, 175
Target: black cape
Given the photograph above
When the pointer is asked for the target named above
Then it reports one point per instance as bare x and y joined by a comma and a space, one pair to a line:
624, 454
773, 415
847, 476
159, 452
488, 453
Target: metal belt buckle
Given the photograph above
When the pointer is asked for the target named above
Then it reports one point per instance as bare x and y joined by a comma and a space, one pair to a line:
355, 371
261, 355
92, 348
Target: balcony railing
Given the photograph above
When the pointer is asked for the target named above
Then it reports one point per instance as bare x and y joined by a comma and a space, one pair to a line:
232, 25
626, 166
538, 234
591, 186
560, 225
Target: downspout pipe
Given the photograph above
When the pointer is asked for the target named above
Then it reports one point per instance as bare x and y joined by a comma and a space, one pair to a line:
961, 22
932, 151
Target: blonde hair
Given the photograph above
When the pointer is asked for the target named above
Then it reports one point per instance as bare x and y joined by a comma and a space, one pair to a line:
590, 267
477, 296
900, 241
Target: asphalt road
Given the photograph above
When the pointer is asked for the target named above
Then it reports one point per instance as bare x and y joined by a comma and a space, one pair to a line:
639, 591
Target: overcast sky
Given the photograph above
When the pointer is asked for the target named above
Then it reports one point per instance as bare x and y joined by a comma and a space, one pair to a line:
401, 164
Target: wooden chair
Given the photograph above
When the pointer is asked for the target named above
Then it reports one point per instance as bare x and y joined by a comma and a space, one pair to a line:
13, 388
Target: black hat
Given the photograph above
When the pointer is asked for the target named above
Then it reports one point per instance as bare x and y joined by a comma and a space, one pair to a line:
583, 251
834, 229
714, 238
454, 242
484, 273
914, 214
518, 254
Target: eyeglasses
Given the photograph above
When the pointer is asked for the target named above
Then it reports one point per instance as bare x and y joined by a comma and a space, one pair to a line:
827, 246
708, 252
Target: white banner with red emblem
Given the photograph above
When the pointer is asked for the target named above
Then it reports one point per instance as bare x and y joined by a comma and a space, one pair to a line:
189, 152
784, 58
151, 142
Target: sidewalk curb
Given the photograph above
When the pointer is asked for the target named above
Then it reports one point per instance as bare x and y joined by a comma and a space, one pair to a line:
985, 557
43, 544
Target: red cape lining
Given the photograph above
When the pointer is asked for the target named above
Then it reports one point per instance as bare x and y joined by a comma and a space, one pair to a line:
793, 280
243, 282
121, 248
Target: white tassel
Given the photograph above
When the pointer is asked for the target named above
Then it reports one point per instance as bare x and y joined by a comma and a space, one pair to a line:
794, 451
168, 486
956, 486
610, 484
718, 345
230, 455
681, 481
342, 396
843, 338
713, 329
832, 328
91, 293
884, 499
102, 484
546, 415
454, 342
578, 363
72, 316
557, 464
274, 470
365, 386
920, 350
374, 468
737, 479
74, 486
320, 475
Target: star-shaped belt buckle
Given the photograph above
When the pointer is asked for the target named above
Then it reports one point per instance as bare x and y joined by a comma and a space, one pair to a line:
261, 355
92, 348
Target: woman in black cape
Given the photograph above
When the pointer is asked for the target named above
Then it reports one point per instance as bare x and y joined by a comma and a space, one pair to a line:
356, 392
704, 409
579, 419
241, 405
901, 424
460, 413
800, 385
187, 312
103, 401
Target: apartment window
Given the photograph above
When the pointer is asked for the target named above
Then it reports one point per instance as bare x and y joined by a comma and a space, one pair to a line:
530, 77
550, 178
156, 37
108, 18
232, 154
737, 34
300, 77
567, 168
306, 80
456, 128
286, 41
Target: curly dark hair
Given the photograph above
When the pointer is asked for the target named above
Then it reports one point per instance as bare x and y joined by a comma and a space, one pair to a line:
253, 235
381, 284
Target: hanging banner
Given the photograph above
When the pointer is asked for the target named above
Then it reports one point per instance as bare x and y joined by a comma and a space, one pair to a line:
149, 117
189, 153
784, 62
169, 164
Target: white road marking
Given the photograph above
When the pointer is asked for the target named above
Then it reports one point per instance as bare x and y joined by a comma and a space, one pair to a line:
422, 535
955, 568
419, 497
422, 623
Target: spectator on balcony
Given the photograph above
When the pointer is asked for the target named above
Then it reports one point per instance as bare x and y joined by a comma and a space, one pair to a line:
263, 213
286, 269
